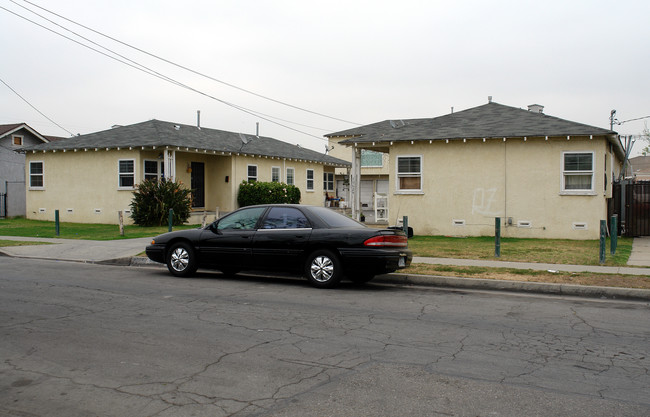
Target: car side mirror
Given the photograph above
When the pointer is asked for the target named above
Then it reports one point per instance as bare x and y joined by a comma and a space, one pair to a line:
213, 227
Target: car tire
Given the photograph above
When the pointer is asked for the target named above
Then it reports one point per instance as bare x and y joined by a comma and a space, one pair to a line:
360, 278
181, 260
323, 269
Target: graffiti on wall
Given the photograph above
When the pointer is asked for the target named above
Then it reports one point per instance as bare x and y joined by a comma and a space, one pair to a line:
484, 202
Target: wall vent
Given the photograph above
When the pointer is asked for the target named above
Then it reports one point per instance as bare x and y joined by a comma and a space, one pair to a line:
579, 226
524, 223
458, 222
41, 210
70, 211
98, 211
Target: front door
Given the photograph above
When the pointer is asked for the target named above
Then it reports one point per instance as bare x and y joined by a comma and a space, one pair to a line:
282, 239
198, 184
228, 242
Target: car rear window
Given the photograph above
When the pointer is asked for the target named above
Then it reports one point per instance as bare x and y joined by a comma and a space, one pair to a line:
334, 219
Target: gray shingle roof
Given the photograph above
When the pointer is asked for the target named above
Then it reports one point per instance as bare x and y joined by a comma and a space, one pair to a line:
160, 134
491, 120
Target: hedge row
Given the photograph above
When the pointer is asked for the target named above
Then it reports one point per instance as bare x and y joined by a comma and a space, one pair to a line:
252, 193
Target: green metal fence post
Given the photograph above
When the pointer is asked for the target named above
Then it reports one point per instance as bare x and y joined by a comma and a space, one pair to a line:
497, 237
603, 235
171, 218
57, 226
405, 224
613, 234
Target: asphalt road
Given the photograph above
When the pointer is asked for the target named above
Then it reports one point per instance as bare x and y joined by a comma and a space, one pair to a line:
92, 340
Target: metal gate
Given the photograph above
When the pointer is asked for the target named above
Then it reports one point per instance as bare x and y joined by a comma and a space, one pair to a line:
631, 201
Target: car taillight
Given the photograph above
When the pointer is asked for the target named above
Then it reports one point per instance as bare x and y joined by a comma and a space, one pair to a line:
392, 241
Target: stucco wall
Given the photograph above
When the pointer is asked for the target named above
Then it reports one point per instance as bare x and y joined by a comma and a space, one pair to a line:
467, 184
83, 185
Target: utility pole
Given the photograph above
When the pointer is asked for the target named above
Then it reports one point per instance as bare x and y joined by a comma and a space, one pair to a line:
612, 118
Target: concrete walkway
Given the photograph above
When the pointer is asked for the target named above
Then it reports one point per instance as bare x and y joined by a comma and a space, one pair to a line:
88, 251
124, 252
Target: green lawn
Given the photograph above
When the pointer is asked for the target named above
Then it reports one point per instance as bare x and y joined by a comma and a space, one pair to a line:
581, 252
556, 251
37, 228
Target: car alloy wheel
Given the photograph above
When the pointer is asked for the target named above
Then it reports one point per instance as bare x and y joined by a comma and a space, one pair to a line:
181, 260
323, 269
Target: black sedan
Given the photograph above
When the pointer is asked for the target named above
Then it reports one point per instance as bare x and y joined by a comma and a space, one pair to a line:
317, 241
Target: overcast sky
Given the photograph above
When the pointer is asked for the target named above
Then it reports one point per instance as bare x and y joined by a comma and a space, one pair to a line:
355, 61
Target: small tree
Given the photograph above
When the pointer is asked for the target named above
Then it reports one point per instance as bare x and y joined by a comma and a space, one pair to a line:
254, 192
645, 136
152, 200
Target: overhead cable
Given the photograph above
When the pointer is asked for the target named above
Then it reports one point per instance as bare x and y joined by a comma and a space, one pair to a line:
187, 68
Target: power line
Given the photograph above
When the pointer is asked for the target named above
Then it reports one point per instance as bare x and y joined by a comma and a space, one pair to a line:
33, 107
631, 120
186, 68
154, 73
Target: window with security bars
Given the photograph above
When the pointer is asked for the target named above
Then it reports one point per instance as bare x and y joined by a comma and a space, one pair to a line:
126, 173
291, 176
577, 172
310, 180
252, 173
409, 173
36, 174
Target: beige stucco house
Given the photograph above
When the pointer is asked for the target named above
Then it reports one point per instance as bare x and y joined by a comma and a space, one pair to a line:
373, 183
543, 176
90, 178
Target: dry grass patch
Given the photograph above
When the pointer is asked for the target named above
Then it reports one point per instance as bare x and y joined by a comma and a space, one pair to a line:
529, 275
5, 243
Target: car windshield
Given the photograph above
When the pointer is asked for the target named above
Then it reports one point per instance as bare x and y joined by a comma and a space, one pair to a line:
334, 219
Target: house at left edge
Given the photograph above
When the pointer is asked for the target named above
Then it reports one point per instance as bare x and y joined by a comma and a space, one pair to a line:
90, 178
13, 137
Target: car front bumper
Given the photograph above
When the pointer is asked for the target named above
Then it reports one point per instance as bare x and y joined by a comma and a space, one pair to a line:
156, 253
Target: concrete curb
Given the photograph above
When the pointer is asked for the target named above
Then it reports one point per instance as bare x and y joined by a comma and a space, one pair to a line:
432, 280
488, 285
515, 286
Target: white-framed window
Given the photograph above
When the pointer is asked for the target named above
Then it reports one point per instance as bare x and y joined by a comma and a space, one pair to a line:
153, 169
409, 173
126, 173
291, 176
17, 140
36, 175
328, 181
310, 180
578, 172
252, 173
371, 159
275, 174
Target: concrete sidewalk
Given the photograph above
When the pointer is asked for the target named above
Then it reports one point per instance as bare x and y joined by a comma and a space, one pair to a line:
125, 251
118, 252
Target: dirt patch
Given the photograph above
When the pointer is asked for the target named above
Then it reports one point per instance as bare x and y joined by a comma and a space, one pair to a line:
528, 275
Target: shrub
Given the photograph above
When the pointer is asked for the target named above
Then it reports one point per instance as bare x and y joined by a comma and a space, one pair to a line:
251, 193
153, 199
